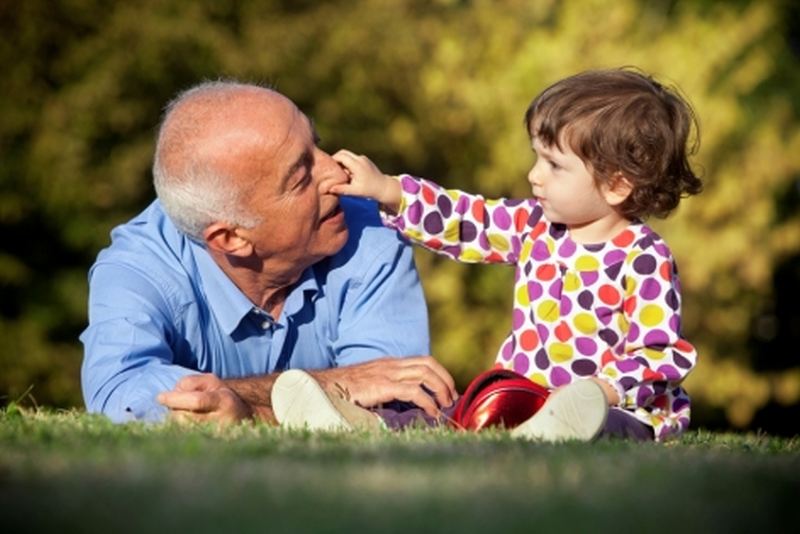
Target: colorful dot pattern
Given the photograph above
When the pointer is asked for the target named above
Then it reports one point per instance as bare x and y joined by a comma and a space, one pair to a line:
609, 309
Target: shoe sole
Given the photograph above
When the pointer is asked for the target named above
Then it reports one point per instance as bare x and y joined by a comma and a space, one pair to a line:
299, 402
575, 412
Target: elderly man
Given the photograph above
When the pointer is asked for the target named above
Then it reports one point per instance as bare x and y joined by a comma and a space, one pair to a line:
247, 265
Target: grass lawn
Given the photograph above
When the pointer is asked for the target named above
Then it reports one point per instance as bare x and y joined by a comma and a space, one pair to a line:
70, 472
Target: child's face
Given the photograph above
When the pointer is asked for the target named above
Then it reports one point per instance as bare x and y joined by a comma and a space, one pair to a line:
565, 187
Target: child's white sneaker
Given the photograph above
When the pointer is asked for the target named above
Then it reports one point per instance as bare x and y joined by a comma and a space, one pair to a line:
299, 401
574, 412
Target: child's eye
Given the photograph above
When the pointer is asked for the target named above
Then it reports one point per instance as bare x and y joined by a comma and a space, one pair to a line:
553, 165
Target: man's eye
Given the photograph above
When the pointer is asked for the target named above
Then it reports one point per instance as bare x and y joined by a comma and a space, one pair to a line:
304, 182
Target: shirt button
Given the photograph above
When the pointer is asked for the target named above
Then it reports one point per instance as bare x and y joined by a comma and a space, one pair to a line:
265, 325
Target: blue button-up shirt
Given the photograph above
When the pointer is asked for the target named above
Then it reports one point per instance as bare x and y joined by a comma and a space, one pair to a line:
160, 308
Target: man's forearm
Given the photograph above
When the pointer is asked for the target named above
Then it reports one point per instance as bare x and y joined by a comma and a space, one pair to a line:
256, 391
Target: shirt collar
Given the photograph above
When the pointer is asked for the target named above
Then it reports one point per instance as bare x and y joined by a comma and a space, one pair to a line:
227, 302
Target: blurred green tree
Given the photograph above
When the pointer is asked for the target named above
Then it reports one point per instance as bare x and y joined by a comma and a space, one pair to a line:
433, 88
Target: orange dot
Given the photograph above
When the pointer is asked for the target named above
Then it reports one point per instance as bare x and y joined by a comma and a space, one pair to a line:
684, 346
546, 272
433, 243
529, 340
665, 271
428, 195
607, 357
477, 210
521, 219
630, 305
538, 229
624, 239
563, 332
609, 295
494, 257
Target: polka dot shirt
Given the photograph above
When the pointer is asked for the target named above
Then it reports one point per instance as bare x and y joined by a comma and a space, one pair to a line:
610, 310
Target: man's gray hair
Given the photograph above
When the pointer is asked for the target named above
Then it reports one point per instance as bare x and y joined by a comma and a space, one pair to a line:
195, 193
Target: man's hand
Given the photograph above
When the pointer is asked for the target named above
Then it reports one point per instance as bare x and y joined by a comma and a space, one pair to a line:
204, 398
420, 379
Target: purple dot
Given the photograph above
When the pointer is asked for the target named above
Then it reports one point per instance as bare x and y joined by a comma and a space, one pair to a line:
462, 205
559, 377
410, 185
586, 346
594, 247
501, 218
516, 246
662, 250
584, 367
656, 338
627, 382
543, 332
644, 264
650, 289
659, 388
672, 299
679, 404
521, 363
681, 361
643, 395
453, 251
535, 290
445, 205
557, 231
589, 277
536, 213
669, 371
633, 332
508, 349
483, 241
517, 318
567, 248
555, 288
541, 360
565, 305
468, 231
414, 213
627, 365
586, 299
613, 256
609, 336
433, 223
540, 251
675, 323
604, 314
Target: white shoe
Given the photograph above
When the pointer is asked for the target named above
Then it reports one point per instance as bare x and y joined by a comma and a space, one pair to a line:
575, 412
298, 401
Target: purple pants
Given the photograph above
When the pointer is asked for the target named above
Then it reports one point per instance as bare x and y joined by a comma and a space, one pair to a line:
619, 424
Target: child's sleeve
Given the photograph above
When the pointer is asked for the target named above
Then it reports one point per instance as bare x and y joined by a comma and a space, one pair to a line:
465, 227
656, 358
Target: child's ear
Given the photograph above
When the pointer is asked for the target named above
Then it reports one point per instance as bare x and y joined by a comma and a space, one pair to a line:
617, 189
226, 239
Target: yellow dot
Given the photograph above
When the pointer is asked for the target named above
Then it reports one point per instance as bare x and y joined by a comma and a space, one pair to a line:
526, 251
587, 263
547, 311
651, 315
551, 245
560, 352
586, 323
654, 354
451, 233
631, 256
630, 286
454, 194
416, 235
499, 242
622, 322
540, 379
523, 297
492, 201
610, 372
470, 255
572, 282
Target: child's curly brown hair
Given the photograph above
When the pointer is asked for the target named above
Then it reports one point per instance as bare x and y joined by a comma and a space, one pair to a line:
623, 121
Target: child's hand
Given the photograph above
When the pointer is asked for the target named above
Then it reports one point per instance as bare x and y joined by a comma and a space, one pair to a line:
366, 180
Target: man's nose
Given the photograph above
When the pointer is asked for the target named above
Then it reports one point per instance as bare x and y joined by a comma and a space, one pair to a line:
330, 173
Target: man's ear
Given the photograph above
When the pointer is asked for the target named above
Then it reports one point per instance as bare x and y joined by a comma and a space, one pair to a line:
225, 239
617, 189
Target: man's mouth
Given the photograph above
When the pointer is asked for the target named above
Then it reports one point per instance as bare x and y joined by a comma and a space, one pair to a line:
331, 214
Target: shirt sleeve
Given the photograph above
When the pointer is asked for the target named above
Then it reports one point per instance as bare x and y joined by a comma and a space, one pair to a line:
655, 358
462, 226
127, 358
383, 312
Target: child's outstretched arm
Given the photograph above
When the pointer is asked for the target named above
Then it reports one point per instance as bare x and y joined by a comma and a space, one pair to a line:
367, 180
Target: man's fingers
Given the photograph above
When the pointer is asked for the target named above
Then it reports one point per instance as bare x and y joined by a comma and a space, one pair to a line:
193, 401
422, 375
202, 382
415, 394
